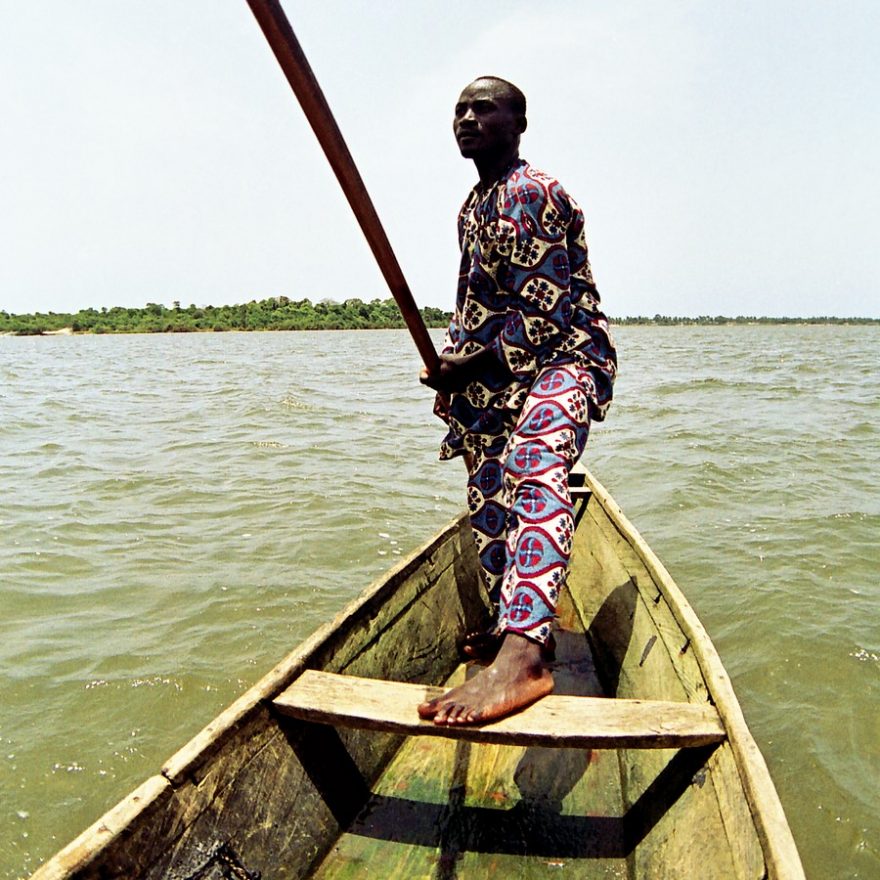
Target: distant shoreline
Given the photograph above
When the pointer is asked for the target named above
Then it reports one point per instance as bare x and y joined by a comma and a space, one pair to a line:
282, 313
750, 320
668, 322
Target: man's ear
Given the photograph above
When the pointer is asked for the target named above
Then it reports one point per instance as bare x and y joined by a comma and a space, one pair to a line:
522, 124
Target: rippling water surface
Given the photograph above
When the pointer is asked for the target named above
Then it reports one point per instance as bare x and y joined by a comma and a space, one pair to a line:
178, 511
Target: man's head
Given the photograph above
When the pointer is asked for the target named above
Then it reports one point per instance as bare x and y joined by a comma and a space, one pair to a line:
489, 118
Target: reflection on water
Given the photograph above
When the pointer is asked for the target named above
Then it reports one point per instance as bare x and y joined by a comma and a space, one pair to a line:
178, 511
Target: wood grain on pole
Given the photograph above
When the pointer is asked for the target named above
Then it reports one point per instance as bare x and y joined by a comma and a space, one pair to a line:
278, 32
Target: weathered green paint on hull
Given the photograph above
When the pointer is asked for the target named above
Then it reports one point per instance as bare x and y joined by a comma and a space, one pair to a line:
260, 793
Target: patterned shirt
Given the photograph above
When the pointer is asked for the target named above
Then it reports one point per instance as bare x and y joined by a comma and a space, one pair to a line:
526, 291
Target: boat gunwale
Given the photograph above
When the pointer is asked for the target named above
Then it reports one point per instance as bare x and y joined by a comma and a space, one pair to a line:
782, 861
184, 764
186, 760
774, 833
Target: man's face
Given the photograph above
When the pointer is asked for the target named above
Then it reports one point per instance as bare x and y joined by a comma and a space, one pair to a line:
485, 124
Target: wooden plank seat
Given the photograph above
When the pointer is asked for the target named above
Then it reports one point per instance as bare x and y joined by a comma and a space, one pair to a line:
554, 721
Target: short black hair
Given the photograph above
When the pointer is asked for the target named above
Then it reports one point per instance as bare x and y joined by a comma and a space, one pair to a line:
514, 95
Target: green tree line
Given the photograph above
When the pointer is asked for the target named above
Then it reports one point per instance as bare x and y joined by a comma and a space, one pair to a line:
281, 313
277, 313
669, 320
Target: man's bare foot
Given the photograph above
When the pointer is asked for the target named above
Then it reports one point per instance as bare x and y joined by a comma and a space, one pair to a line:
480, 646
484, 647
517, 678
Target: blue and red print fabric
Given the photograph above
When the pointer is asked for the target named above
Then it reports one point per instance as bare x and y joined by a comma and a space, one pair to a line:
520, 505
526, 291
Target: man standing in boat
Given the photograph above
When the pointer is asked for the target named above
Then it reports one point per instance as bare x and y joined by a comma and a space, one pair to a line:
527, 364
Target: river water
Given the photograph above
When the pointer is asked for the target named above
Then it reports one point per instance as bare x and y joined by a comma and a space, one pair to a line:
178, 511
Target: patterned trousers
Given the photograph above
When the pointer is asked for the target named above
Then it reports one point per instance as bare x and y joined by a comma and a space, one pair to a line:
519, 501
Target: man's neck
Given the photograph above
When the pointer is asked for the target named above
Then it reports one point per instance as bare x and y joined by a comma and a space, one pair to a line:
493, 168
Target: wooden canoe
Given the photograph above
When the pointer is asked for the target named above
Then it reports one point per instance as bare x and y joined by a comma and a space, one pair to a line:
639, 766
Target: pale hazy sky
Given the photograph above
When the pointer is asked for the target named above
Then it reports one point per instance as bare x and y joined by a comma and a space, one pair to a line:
727, 155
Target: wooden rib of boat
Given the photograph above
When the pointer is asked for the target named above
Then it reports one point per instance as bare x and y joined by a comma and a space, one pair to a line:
639, 766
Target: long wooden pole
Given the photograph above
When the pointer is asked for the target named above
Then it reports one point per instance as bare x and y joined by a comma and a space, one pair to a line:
277, 30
